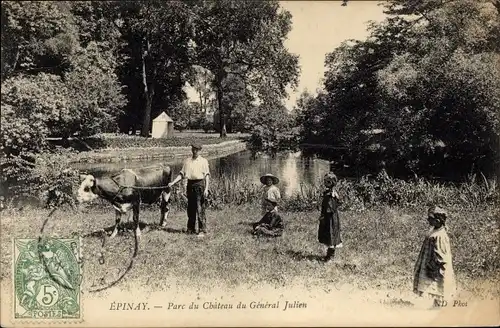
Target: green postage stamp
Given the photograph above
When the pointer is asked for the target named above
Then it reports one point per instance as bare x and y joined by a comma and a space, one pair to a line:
47, 279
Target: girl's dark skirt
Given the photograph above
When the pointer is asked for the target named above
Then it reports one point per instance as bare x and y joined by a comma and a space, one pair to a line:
329, 230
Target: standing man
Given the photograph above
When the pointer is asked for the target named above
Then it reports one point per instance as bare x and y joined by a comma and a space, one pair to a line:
196, 171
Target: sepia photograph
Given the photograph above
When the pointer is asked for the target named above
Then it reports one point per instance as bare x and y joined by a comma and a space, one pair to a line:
250, 163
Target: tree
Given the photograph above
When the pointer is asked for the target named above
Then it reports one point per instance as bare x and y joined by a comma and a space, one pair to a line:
428, 77
451, 97
202, 81
181, 114
244, 38
158, 35
237, 102
36, 36
272, 127
310, 112
52, 85
53, 49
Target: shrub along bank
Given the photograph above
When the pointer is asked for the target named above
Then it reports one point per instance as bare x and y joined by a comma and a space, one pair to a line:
360, 194
356, 195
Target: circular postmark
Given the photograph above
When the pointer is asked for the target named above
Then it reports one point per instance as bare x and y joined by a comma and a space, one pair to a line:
108, 260
105, 261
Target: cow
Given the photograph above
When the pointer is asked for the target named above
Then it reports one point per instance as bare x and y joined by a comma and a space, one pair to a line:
127, 190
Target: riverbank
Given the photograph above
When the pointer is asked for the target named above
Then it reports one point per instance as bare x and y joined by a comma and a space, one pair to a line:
113, 148
380, 249
113, 155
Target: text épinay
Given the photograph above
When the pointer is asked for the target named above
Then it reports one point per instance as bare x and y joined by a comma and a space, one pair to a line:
118, 306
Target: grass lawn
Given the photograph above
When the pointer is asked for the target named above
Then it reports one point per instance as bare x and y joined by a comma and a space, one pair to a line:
113, 141
179, 139
380, 249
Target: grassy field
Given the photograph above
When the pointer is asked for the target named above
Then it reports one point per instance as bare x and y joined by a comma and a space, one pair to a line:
380, 248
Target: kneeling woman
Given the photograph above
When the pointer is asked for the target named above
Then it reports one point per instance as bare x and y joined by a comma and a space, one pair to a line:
271, 225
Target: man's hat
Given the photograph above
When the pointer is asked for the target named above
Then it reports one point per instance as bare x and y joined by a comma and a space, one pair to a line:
438, 213
196, 146
331, 177
269, 175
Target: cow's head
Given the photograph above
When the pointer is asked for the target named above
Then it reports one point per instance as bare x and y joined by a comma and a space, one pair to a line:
87, 187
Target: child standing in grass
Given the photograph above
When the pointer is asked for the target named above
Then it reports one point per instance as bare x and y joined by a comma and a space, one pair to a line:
434, 276
329, 221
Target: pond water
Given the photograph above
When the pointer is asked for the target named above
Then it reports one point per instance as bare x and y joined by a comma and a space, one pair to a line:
293, 169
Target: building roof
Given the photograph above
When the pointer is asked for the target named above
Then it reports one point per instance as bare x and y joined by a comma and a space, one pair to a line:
163, 117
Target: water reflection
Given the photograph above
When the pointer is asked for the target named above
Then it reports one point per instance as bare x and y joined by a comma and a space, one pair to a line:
289, 174
293, 169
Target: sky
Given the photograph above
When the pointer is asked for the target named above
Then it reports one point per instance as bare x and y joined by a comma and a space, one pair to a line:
318, 27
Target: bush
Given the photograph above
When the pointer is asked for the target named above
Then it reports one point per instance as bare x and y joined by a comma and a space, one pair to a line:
206, 125
49, 181
272, 129
357, 195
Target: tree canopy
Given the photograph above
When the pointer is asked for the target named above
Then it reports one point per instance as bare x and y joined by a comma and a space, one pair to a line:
428, 76
245, 39
77, 68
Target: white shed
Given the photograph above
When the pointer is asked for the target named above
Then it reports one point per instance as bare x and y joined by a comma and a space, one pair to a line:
163, 126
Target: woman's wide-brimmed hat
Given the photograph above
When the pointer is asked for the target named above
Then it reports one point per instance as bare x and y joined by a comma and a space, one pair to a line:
269, 175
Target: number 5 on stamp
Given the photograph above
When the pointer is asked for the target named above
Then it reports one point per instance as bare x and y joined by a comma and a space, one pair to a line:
47, 279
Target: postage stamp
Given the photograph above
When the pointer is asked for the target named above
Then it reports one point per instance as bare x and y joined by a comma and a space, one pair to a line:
47, 278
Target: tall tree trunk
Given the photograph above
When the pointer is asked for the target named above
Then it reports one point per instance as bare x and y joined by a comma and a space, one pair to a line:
201, 101
205, 109
222, 114
148, 94
8, 68
146, 122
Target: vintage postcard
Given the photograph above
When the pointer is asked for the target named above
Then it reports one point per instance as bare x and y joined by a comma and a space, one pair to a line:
250, 163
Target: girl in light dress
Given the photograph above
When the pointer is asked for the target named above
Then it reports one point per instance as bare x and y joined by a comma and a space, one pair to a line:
434, 276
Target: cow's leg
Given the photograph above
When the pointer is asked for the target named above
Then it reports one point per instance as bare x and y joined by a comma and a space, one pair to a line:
165, 209
118, 218
135, 209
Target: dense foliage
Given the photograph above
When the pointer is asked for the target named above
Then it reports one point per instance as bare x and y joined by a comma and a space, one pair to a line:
272, 128
52, 85
242, 44
362, 194
77, 68
427, 79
